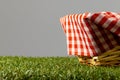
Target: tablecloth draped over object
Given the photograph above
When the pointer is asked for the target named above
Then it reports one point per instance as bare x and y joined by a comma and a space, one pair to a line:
91, 34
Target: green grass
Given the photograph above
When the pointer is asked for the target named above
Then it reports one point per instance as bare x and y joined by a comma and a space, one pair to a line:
53, 68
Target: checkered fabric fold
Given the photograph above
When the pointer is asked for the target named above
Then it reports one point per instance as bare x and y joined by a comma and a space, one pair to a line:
91, 34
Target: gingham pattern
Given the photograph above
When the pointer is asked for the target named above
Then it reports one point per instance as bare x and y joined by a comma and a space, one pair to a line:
90, 34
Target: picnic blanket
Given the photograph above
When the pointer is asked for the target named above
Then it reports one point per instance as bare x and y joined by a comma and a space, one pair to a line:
91, 34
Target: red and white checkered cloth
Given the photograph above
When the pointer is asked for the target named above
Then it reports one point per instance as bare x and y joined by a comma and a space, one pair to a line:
91, 34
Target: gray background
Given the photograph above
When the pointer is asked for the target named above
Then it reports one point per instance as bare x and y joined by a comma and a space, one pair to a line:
32, 27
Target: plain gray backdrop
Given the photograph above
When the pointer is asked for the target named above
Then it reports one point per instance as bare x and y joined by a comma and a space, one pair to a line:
32, 27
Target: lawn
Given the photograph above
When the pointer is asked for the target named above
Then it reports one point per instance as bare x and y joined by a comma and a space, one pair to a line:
53, 68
